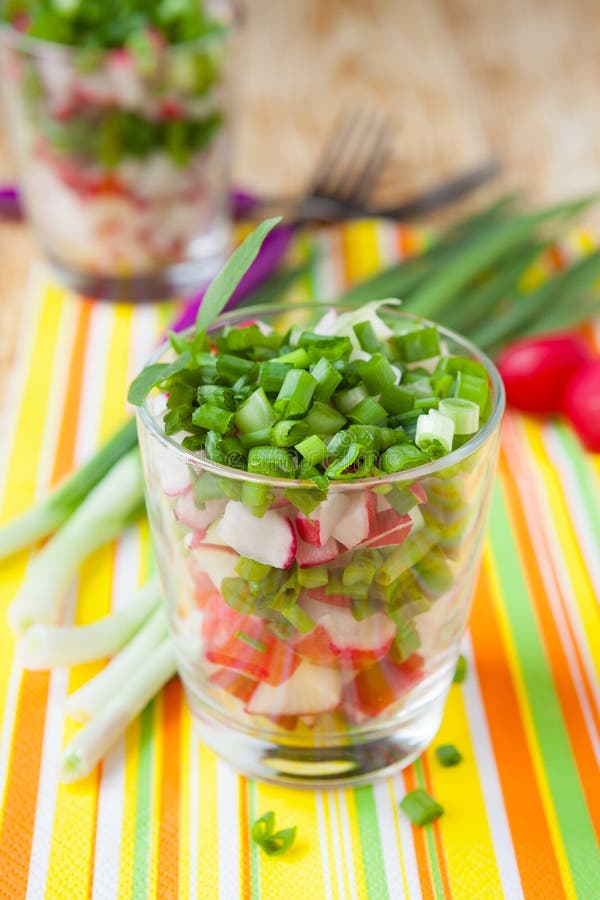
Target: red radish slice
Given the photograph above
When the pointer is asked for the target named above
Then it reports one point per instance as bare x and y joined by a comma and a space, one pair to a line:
270, 540
319, 594
187, 512
174, 477
378, 687
356, 523
310, 555
389, 529
310, 690
237, 685
340, 639
319, 527
419, 492
215, 562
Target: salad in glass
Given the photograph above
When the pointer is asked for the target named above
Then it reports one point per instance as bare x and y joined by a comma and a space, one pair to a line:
118, 115
317, 485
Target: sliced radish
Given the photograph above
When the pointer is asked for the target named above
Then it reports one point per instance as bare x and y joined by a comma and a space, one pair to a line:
356, 523
215, 562
319, 593
310, 690
388, 529
418, 491
381, 685
310, 555
270, 540
319, 527
237, 685
187, 512
339, 638
174, 477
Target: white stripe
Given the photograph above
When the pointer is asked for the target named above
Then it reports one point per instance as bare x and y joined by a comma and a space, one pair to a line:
323, 844
327, 279
144, 337
386, 823
111, 794
335, 841
48, 778
388, 250
555, 575
490, 782
228, 839
407, 842
343, 797
97, 354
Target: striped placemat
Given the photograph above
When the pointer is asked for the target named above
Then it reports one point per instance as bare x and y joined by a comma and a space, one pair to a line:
163, 818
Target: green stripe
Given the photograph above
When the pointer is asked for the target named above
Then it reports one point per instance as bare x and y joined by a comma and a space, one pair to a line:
434, 863
370, 842
586, 477
143, 810
252, 817
576, 828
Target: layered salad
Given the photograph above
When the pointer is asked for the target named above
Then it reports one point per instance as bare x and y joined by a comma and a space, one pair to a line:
318, 541
118, 116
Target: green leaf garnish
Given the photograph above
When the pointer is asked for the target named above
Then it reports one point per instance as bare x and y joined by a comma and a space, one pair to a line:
225, 283
272, 842
153, 375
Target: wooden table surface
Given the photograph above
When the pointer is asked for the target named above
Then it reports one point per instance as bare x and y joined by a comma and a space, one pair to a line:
464, 79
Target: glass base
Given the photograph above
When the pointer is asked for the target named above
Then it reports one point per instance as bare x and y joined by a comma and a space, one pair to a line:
374, 755
177, 280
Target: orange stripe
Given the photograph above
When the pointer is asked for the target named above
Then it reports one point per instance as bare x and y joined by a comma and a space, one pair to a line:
581, 746
167, 879
28, 736
437, 837
22, 785
532, 841
408, 243
243, 820
425, 876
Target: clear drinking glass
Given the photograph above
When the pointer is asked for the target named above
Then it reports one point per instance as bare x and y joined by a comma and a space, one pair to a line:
334, 666
123, 158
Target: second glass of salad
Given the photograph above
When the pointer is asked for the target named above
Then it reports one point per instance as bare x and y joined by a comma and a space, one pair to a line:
119, 118
317, 483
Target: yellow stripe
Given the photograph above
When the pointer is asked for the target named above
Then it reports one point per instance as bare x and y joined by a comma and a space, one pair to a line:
302, 863
207, 812
337, 824
583, 589
157, 765
395, 806
528, 726
358, 868
326, 842
117, 372
132, 745
361, 251
185, 811
466, 837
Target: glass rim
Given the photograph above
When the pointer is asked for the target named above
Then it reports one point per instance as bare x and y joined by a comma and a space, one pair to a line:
407, 475
40, 47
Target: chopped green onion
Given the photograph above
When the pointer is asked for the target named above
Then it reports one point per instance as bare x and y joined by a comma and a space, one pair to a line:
472, 387
346, 400
464, 414
296, 394
377, 373
420, 808
213, 418
273, 843
322, 419
272, 374
434, 432
251, 570
327, 379
455, 364
288, 432
252, 642
255, 413
271, 461
296, 358
448, 755
367, 412
315, 576
214, 394
312, 449
368, 340
397, 399
460, 673
422, 343
339, 468
257, 497
255, 438
401, 457
230, 367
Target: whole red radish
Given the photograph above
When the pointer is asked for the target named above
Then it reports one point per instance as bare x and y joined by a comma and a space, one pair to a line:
581, 403
536, 370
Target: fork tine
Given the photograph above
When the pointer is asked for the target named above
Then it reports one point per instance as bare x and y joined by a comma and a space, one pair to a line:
353, 156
